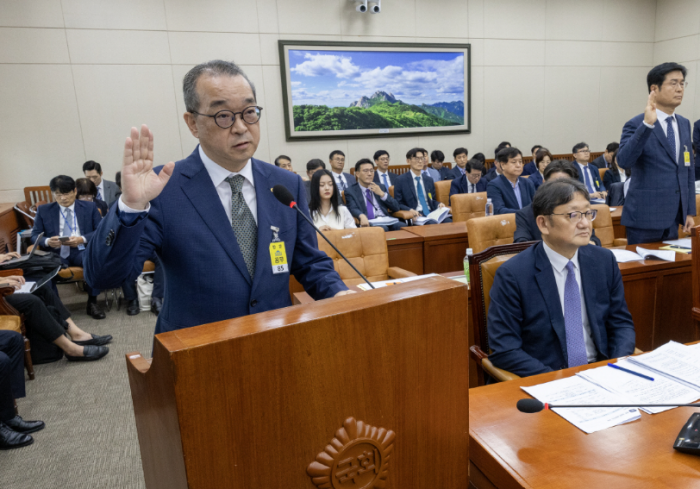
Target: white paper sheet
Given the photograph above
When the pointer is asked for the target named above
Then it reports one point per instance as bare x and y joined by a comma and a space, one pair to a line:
623, 256
673, 362
667, 255
26, 288
683, 243
395, 281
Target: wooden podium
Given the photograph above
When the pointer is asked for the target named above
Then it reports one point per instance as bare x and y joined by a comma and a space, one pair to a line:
360, 391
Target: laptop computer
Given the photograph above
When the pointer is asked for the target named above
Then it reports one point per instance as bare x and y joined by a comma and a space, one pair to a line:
25, 257
30, 287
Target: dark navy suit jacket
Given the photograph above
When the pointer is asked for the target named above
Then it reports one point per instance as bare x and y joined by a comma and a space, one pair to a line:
529, 168
536, 179
526, 227
48, 221
206, 276
357, 203
696, 144
502, 195
405, 192
600, 162
392, 178
661, 184
610, 177
526, 329
456, 172
595, 175
491, 174
461, 185
446, 173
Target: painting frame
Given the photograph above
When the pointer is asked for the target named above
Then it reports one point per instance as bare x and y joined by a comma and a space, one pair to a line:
291, 134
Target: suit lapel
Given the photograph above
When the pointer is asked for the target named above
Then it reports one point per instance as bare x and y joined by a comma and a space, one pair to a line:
200, 190
266, 203
509, 190
413, 187
659, 132
363, 200
56, 221
589, 276
550, 295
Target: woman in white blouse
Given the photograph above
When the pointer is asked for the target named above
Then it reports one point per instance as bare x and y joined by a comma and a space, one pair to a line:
325, 207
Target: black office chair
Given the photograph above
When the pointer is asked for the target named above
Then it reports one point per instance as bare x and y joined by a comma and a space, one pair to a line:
616, 194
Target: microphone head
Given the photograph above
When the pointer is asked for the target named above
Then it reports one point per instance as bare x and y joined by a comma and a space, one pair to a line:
283, 195
530, 406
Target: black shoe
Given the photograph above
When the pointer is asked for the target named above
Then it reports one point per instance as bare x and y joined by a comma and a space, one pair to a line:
156, 305
10, 439
132, 308
21, 426
96, 340
90, 353
95, 311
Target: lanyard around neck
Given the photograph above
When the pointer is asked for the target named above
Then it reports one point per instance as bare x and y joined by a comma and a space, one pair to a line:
75, 222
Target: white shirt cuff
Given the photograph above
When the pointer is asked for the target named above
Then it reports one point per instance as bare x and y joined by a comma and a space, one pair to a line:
650, 126
125, 208
46, 242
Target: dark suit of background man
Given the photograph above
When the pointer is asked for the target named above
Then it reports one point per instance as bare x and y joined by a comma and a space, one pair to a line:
312, 167
212, 224
603, 161
106, 190
560, 303
509, 191
587, 173
471, 182
495, 170
382, 175
531, 166
68, 217
415, 192
437, 158
526, 228
656, 145
337, 161
369, 200
461, 156
696, 146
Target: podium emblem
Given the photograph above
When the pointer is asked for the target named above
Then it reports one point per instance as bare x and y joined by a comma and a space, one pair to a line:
357, 458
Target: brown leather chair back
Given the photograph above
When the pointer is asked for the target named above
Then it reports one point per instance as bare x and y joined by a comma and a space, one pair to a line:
442, 191
488, 231
603, 225
26, 214
468, 206
364, 247
602, 171
391, 191
488, 274
342, 197
32, 195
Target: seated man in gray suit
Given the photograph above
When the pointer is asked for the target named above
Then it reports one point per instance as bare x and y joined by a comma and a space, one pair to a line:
106, 190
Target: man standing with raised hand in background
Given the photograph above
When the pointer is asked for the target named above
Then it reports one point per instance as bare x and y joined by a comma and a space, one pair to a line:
218, 198
657, 146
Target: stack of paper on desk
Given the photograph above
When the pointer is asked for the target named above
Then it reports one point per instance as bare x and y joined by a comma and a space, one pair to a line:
674, 361
623, 256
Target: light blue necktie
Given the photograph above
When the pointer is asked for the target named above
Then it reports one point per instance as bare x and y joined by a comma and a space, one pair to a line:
99, 194
587, 177
573, 320
671, 136
386, 181
421, 197
67, 231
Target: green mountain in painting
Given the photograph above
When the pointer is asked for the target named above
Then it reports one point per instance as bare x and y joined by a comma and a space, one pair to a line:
380, 111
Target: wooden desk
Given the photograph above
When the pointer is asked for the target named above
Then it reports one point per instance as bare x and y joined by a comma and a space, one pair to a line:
509, 449
618, 229
9, 227
405, 251
659, 297
444, 246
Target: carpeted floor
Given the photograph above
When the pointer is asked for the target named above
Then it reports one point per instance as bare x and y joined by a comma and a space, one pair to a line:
90, 437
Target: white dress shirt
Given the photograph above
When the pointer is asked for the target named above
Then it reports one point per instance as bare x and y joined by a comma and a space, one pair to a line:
587, 168
62, 222
101, 190
342, 220
471, 187
661, 119
218, 175
560, 274
381, 178
419, 207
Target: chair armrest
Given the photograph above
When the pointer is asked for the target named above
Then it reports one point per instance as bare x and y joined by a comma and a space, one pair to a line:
477, 354
405, 215
13, 271
11, 323
497, 373
620, 242
396, 272
5, 308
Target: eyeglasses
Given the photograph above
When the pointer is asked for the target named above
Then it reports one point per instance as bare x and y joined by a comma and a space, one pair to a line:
584, 151
578, 215
59, 195
675, 84
226, 118
367, 171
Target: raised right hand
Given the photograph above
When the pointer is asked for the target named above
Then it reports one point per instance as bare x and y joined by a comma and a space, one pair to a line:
650, 109
140, 184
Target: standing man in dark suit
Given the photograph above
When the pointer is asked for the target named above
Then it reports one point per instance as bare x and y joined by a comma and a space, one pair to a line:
657, 146
106, 190
414, 192
74, 221
382, 175
509, 191
369, 200
471, 182
588, 174
461, 156
337, 161
560, 303
526, 228
696, 147
437, 158
603, 161
219, 198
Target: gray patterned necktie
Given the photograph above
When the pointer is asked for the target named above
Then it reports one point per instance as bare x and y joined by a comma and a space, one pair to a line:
243, 224
67, 222
573, 320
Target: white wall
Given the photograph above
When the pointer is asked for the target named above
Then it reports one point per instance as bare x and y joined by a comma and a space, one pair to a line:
77, 74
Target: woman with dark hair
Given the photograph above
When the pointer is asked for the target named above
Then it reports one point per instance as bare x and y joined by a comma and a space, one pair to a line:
542, 158
615, 174
87, 191
324, 206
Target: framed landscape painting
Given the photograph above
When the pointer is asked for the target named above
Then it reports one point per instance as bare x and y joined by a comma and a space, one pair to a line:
340, 90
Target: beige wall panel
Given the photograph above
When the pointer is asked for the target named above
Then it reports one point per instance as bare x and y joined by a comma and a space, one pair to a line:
573, 53
311, 16
100, 46
476, 18
501, 52
629, 20
432, 21
212, 15
191, 48
574, 20
514, 19
267, 16
678, 50
109, 14
676, 18
20, 45
396, 19
616, 54
623, 95
31, 13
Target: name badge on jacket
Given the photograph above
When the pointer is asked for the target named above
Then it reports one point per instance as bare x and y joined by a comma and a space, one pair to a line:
278, 253
686, 156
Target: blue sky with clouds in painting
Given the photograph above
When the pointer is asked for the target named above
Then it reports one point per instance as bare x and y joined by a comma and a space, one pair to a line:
338, 78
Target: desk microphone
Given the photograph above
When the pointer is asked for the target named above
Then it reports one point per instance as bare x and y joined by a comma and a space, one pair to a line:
285, 197
535, 406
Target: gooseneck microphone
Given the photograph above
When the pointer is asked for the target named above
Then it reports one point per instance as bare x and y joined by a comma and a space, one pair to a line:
535, 406
285, 197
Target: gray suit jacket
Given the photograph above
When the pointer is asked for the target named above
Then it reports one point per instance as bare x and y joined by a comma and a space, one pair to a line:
111, 190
